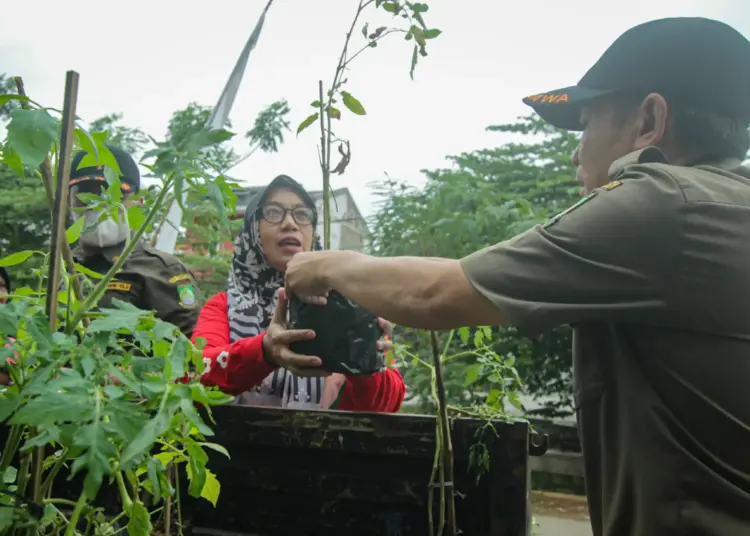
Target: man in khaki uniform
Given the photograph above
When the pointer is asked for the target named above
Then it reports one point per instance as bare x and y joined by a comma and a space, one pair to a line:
150, 279
651, 268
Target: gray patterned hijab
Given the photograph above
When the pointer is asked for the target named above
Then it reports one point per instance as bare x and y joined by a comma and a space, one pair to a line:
251, 293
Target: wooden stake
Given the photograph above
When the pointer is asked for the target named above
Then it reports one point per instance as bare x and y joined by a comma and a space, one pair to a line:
45, 169
446, 444
60, 207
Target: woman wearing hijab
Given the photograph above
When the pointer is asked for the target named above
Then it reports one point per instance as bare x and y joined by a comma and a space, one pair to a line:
4, 284
5, 290
247, 344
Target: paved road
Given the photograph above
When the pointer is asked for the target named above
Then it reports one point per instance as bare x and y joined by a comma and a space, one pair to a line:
555, 526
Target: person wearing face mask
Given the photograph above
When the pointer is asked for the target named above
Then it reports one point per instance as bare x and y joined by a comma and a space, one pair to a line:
150, 279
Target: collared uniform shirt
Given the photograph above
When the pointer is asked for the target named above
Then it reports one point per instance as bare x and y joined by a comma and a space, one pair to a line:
151, 280
652, 271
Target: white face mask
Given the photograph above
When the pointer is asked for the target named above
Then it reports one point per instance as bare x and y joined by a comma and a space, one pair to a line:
104, 234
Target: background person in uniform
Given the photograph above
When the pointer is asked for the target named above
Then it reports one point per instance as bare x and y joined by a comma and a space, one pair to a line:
150, 279
651, 268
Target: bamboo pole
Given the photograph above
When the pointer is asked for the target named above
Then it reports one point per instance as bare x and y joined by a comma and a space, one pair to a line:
60, 207
45, 169
445, 442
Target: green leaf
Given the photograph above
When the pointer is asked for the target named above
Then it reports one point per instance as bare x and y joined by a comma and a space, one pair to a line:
464, 333
390, 7
8, 404
139, 520
211, 488
418, 7
178, 359
472, 373
46, 436
6, 98
335, 112
86, 143
216, 197
164, 330
31, 134
196, 469
73, 233
9, 477
13, 161
515, 400
165, 457
307, 122
16, 258
135, 217
153, 467
364, 32
478, 338
187, 407
8, 320
206, 138
53, 407
6, 517
144, 440
114, 186
353, 104
87, 271
38, 327
126, 317
101, 157
432, 33
217, 448
494, 396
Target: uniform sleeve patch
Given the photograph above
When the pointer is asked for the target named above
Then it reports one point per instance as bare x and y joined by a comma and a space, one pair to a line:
178, 278
186, 295
612, 185
554, 219
118, 285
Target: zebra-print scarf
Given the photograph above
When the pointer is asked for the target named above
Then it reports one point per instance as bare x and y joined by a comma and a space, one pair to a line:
251, 298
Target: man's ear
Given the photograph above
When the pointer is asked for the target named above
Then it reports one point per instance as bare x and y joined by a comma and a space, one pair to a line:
652, 117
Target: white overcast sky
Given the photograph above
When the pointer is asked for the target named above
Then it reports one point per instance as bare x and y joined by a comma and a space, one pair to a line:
147, 58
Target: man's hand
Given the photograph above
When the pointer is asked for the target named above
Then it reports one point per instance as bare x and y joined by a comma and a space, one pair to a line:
306, 275
276, 344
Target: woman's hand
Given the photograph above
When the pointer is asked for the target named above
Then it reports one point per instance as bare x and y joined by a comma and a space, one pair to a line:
385, 344
278, 338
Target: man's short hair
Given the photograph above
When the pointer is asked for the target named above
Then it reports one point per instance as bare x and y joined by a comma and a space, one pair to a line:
698, 134
708, 135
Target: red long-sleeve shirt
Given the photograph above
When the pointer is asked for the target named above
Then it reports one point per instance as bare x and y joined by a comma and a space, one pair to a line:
236, 367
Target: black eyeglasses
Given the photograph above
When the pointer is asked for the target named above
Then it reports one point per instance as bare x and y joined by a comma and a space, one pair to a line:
276, 213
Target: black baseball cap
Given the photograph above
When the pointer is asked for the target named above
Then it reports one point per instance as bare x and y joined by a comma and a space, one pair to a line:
130, 176
697, 62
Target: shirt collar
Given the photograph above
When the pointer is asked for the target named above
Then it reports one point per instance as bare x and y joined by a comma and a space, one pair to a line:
654, 155
111, 253
648, 155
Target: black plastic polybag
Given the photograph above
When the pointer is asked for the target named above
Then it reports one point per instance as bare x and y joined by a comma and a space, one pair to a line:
345, 335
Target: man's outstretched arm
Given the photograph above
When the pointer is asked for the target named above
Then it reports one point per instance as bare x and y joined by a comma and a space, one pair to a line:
613, 258
427, 293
